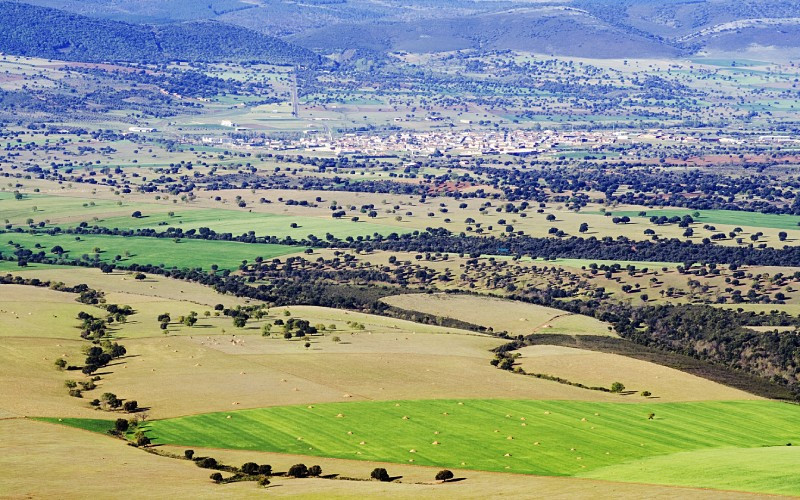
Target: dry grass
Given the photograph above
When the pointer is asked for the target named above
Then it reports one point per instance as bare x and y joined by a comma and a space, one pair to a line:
122, 282
602, 369
206, 373
516, 318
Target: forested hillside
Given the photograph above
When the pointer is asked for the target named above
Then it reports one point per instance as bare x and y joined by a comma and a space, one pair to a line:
50, 33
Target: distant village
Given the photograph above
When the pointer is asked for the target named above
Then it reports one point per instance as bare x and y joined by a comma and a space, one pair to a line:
477, 143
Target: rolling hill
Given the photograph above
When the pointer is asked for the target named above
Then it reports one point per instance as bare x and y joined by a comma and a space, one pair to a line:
587, 28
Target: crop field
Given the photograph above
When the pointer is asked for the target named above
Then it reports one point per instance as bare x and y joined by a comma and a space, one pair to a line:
145, 250
532, 437
513, 317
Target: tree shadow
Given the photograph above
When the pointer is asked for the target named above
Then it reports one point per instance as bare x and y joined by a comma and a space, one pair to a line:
394, 478
455, 480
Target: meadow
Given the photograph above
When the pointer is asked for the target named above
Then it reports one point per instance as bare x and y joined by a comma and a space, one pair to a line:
240, 222
531, 437
145, 250
69, 211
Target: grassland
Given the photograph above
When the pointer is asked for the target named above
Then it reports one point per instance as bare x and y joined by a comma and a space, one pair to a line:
145, 250
768, 470
240, 222
533, 437
501, 315
727, 217
67, 453
49, 313
68, 211
602, 369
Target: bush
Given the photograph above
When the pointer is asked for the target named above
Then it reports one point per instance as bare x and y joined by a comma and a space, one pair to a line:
315, 471
216, 477
130, 406
646, 394
61, 363
444, 475
142, 441
265, 469
263, 482
380, 474
617, 387
188, 454
250, 468
121, 425
298, 470
207, 463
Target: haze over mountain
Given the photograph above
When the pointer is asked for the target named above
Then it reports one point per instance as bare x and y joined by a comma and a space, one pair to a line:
589, 28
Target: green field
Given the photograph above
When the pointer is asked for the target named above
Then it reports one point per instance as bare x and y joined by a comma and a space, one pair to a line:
729, 217
768, 470
146, 250
237, 222
112, 214
88, 424
562, 438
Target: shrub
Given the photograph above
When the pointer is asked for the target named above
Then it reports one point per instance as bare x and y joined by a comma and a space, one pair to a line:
265, 469
263, 482
315, 471
61, 363
216, 477
130, 406
250, 468
298, 470
444, 475
142, 441
617, 387
380, 474
207, 463
188, 454
646, 394
75, 393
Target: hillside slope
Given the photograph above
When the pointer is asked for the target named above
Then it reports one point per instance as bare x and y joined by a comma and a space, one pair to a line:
43, 32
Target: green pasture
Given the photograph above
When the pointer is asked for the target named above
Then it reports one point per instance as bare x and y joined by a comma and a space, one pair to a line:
145, 250
769, 469
43, 207
237, 222
729, 217
561, 438
88, 424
